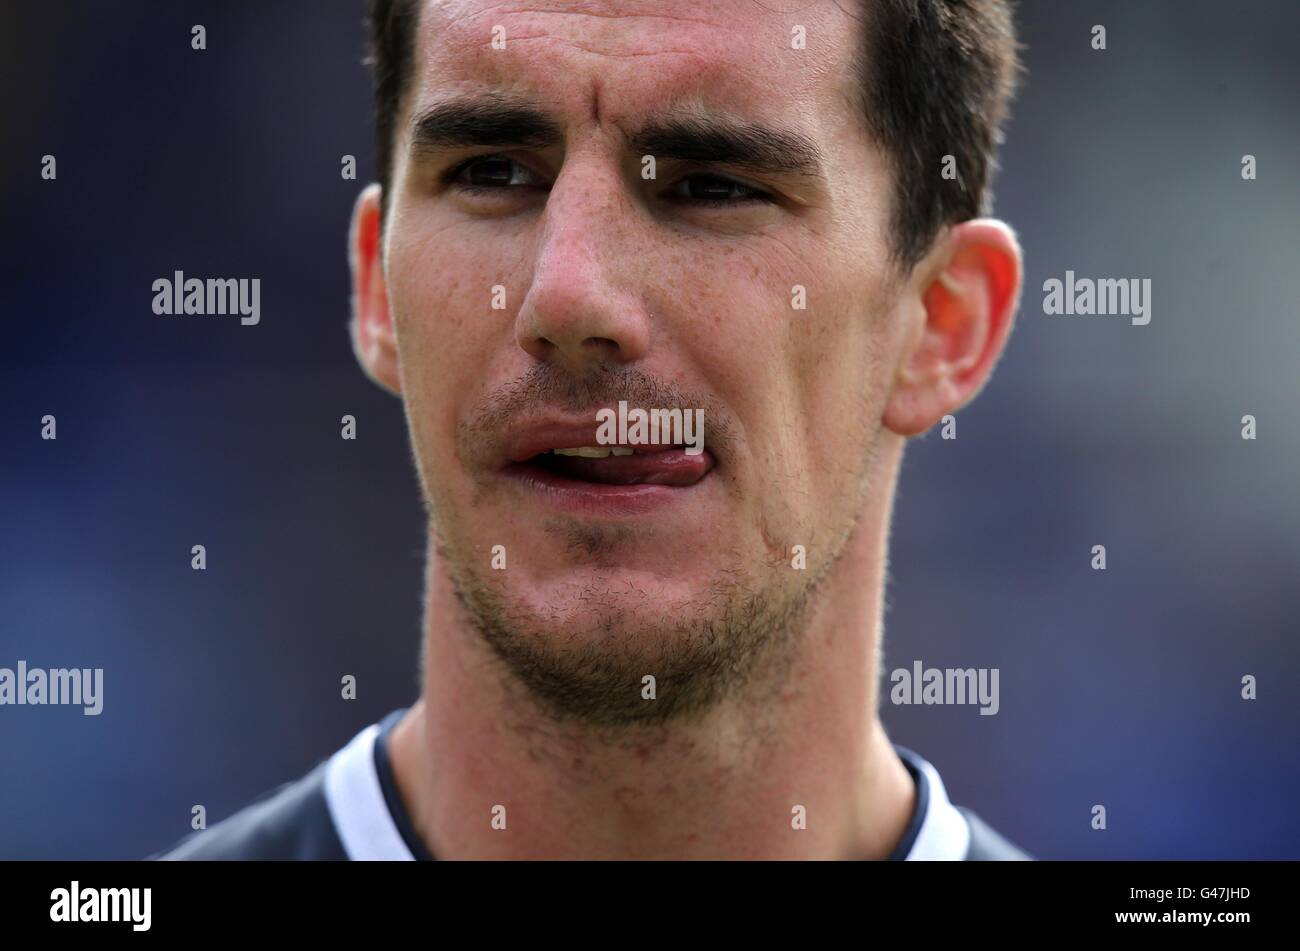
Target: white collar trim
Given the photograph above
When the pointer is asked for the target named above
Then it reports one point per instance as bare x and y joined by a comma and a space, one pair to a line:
944, 834
356, 803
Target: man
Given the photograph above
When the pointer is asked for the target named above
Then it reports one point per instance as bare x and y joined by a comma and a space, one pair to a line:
767, 221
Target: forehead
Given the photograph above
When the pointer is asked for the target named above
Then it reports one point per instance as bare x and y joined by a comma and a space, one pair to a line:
611, 61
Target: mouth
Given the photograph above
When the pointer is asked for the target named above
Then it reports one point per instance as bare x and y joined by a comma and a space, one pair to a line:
622, 465
569, 470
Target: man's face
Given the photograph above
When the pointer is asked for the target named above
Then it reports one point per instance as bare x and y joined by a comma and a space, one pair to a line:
763, 295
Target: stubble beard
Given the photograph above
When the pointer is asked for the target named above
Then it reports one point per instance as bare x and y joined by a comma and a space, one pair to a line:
737, 640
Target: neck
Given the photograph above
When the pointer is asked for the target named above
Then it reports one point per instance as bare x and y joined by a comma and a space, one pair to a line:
727, 785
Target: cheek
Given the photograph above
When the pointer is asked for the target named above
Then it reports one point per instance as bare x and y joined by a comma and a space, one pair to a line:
781, 359
845, 379
826, 374
440, 294
797, 346
735, 313
440, 291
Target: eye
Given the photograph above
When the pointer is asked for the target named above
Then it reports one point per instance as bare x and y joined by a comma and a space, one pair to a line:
715, 191
489, 172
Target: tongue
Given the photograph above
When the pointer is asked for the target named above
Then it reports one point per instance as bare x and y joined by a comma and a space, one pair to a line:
665, 467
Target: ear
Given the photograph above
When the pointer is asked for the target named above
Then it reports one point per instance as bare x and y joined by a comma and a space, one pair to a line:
373, 339
968, 289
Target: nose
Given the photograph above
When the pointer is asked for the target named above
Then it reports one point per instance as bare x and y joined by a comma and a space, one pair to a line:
581, 307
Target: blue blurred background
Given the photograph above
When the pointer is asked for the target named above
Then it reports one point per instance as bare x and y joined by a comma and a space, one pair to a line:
1119, 688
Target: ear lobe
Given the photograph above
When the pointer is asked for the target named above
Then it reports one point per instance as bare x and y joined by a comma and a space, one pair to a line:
968, 308
374, 340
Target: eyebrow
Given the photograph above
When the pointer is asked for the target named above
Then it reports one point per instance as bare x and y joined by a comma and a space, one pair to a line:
726, 141
505, 122
489, 120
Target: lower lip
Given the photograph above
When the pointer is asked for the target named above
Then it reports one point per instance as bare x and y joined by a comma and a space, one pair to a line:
594, 498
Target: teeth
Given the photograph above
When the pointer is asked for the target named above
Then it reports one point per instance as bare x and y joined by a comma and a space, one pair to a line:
593, 452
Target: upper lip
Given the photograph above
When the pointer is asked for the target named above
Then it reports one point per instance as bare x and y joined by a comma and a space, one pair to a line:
530, 437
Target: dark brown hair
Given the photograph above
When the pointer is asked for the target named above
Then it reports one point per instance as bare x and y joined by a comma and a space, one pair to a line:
934, 78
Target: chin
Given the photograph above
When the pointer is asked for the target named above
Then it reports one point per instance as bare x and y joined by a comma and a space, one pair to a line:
611, 600
582, 638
